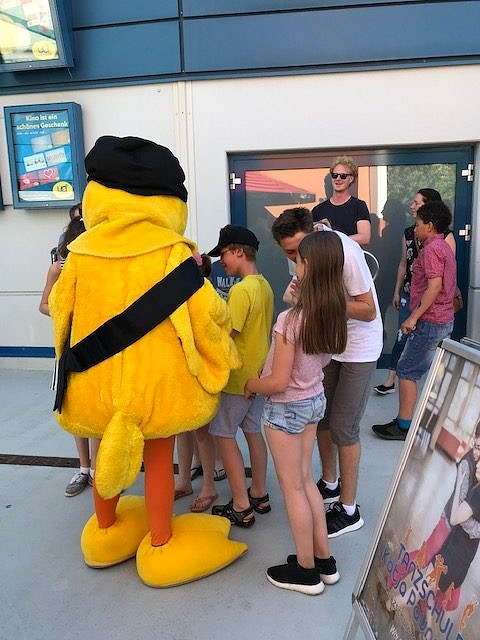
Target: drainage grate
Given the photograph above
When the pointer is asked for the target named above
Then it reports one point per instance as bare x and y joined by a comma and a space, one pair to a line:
51, 461
38, 461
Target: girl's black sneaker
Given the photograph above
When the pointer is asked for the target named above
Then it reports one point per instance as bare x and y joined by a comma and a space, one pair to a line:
383, 390
326, 567
293, 577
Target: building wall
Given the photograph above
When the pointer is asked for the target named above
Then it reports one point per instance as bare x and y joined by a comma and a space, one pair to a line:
150, 41
204, 121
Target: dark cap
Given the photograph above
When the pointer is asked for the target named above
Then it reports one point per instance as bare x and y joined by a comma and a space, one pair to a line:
137, 166
234, 234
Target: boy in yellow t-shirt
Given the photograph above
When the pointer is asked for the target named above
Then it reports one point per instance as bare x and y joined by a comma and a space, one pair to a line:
250, 302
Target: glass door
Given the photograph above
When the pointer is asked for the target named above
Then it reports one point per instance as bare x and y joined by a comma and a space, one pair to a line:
262, 186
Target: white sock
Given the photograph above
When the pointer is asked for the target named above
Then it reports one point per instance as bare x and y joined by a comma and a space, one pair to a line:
331, 485
84, 470
350, 508
92, 473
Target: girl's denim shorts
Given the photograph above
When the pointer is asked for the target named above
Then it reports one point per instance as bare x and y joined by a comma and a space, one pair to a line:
292, 417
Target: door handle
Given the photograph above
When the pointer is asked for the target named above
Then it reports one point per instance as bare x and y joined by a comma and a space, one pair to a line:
466, 232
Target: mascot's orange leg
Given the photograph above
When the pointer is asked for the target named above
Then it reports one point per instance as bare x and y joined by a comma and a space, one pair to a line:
104, 509
159, 487
115, 531
181, 548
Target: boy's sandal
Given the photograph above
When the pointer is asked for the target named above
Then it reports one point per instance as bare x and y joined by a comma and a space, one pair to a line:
219, 474
195, 472
181, 493
256, 502
243, 519
199, 505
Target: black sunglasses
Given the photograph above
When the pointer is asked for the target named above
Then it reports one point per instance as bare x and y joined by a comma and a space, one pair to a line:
342, 176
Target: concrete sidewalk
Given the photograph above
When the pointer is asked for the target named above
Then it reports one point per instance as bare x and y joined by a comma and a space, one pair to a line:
49, 593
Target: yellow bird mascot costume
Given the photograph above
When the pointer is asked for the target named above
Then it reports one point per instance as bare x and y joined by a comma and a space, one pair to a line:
144, 348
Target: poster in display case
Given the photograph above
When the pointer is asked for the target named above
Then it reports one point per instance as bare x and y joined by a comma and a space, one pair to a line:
46, 154
35, 34
421, 577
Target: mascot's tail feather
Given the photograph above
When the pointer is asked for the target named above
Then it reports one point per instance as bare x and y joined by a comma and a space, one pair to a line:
120, 455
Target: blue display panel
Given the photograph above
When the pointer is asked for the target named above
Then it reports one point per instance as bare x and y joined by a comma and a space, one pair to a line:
35, 34
46, 154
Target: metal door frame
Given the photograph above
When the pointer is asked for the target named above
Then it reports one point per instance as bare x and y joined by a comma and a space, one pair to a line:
460, 155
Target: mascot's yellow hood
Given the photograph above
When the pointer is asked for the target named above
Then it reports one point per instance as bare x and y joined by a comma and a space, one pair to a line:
169, 380
121, 224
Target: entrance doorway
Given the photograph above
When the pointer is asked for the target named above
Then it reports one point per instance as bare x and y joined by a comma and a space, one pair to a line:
264, 185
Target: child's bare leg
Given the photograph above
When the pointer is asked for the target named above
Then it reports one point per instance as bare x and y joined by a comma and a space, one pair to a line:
196, 462
328, 455
315, 500
392, 374
94, 444
287, 451
407, 398
219, 468
82, 448
234, 466
184, 455
258, 461
206, 452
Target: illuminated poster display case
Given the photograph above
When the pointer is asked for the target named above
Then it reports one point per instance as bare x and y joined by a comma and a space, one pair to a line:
46, 154
35, 34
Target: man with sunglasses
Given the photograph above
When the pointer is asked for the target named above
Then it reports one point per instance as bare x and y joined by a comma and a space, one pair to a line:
343, 211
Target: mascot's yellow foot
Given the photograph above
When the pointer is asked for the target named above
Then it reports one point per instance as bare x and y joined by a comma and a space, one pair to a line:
198, 547
106, 547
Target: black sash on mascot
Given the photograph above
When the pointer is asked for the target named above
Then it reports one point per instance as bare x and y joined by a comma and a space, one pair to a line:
118, 333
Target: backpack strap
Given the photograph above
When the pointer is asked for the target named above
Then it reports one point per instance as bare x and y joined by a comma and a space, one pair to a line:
121, 331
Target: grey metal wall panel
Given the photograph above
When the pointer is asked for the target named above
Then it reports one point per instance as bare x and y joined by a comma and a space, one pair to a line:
111, 53
334, 36
225, 7
128, 50
122, 42
86, 13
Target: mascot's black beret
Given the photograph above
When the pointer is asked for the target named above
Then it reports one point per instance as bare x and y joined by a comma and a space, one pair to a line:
137, 166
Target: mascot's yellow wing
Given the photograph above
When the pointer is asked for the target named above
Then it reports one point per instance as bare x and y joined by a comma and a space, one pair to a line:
203, 327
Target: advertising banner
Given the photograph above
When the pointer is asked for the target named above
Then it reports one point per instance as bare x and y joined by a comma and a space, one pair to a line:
422, 581
46, 154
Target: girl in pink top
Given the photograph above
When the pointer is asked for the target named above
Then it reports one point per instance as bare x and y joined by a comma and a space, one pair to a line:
291, 381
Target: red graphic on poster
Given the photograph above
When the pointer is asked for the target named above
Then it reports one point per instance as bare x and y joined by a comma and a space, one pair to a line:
28, 180
48, 175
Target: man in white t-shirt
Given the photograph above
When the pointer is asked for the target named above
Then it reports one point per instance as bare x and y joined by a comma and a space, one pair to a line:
347, 377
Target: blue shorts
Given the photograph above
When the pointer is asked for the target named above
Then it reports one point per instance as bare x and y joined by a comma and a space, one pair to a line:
235, 411
420, 348
292, 417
